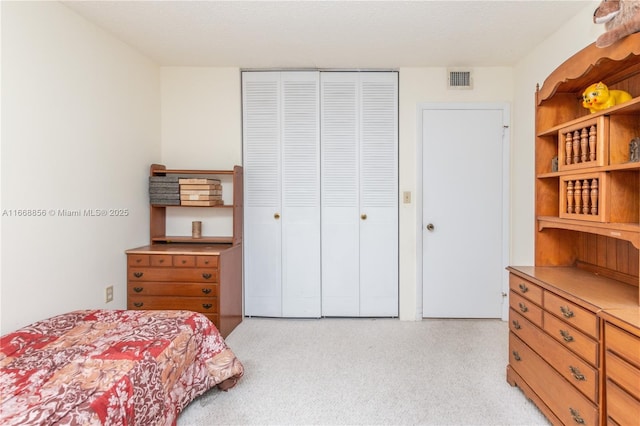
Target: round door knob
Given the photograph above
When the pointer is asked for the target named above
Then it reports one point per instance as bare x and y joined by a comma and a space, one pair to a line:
363, 216
430, 227
276, 215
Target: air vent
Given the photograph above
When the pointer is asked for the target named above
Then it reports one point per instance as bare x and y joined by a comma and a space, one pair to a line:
459, 79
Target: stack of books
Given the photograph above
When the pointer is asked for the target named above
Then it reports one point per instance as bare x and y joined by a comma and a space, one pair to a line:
200, 192
164, 190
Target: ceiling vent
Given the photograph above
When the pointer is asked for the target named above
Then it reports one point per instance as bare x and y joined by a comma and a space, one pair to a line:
459, 79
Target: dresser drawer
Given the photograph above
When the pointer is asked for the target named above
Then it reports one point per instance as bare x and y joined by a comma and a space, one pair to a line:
150, 288
183, 261
580, 374
173, 274
623, 373
138, 259
573, 314
621, 407
207, 261
526, 308
197, 304
161, 260
525, 289
622, 343
571, 338
569, 405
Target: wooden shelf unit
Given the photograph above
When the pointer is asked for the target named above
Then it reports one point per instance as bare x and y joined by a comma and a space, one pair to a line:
587, 245
181, 272
158, 213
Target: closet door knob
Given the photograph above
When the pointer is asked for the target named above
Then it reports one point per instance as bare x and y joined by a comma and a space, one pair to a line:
430, 227
363, 216
276, 216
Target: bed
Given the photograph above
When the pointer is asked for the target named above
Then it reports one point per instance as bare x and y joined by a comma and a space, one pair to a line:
111, 367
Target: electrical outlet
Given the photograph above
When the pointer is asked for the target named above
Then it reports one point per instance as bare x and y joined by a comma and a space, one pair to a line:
406, 197
108, 293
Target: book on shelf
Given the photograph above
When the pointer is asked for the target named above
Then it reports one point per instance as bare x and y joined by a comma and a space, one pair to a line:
165, 202
198, 181
193, 197
201, 192
201, 203
164, 179
164, 189
207, 187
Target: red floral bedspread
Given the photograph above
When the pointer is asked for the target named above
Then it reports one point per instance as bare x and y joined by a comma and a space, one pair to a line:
110, 367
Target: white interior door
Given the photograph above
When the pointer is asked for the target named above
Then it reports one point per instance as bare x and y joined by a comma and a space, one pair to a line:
464, 181
262, 194
300, 194
379, 195
340, 203
359, 140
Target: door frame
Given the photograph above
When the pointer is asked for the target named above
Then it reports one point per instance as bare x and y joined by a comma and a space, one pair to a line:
506, 174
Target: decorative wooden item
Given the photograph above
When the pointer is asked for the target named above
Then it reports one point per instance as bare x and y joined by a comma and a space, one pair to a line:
586, 144
580, 197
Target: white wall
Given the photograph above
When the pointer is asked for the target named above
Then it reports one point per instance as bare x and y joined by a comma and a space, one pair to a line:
80, 125
201, 117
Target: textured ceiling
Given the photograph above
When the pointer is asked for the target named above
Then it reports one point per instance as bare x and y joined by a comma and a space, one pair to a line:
332, 34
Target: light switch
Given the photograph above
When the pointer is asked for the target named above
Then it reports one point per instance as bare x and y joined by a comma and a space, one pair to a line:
406, 197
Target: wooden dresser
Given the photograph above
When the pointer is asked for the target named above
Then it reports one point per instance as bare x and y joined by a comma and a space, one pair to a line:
201, 278
574, 345
622, 366
556, 338
201, 273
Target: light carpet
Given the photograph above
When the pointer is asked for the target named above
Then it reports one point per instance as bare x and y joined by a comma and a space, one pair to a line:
367, 371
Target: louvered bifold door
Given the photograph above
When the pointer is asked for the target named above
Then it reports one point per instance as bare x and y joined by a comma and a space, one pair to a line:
378, 194
339, 189
261, 118
282, 193
359, 157
300, 194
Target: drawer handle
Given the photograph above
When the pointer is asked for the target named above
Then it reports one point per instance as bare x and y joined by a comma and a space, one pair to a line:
138, 304
161, 261
184, 261
138, 274
207, 305
516, 324
138, 260
516, 356
576, 416
138, 289
566, 336
523, 288
566, 312
206, 290
206, 262
206, 276
523, 307
576, 373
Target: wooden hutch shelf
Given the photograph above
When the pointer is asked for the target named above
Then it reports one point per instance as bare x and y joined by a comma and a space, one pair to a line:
182, 272
574, 340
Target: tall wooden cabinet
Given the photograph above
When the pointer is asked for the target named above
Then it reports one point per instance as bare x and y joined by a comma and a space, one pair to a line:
202, 274
573, 341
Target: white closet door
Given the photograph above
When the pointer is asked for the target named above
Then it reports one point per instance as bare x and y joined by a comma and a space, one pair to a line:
379, 194
261, 160
359, 145
300, 194
281, 143
340, 204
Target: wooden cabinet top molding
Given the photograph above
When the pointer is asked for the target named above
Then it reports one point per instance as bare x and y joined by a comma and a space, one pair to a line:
614, 63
